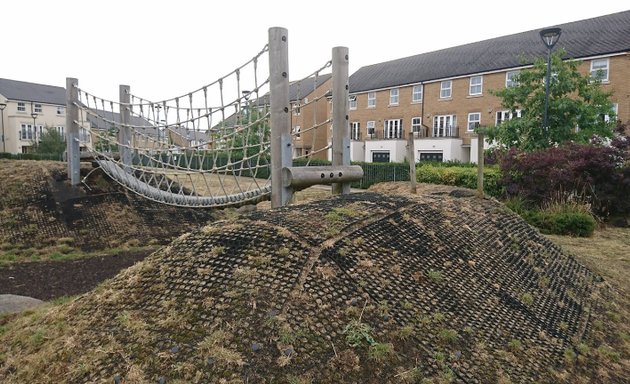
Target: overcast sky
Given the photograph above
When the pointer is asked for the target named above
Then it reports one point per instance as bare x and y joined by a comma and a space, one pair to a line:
163, 49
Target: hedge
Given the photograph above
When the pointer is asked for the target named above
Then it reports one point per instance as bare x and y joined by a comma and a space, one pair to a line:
461, 176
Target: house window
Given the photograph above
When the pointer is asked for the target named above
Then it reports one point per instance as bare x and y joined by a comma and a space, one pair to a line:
371, 125
296, 109
21, 106
437, 156
416, 94
355, 130
445, 89
510, 79
39, 132
26, 132
599, 69
84, 135
393, 129
507, 115
380, 157
416, 125
393, 96
444, 126
476, 85
352, 102
296, 131
613, 112
61, 110
474, 119
37, 108
61, 131
371, 100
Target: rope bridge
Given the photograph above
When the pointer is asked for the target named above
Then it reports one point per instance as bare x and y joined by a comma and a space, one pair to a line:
213, 146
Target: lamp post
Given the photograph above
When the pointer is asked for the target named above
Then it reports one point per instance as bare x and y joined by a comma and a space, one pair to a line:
550, 37
34, 116
2, 107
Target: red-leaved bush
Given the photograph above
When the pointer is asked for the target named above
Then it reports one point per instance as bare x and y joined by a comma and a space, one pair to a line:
597, 174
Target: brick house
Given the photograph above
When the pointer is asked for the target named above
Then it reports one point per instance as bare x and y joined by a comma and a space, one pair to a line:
442, 95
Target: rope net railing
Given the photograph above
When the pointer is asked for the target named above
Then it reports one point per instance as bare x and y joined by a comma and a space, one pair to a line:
210, 147
206, 148
310, 117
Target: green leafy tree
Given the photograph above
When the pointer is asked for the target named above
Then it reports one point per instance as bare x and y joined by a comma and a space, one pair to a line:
50, 142
254, 132
575, 101
106, 142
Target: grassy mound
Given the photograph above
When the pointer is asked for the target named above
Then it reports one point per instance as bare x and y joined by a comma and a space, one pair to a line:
362, 288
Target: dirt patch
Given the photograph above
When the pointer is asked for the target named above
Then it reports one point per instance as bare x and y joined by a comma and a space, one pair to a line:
52, 279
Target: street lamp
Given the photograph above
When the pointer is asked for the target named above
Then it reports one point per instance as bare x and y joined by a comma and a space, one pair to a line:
2, 107
34, 116
550, 37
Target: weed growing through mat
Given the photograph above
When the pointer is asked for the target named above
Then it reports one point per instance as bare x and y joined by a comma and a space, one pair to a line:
434, 276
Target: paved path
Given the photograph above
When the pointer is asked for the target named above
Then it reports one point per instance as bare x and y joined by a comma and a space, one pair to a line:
15, 303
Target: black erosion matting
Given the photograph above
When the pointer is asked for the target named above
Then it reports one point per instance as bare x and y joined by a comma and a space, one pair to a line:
433, 285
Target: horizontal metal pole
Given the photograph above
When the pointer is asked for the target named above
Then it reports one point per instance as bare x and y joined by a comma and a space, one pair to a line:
302, 177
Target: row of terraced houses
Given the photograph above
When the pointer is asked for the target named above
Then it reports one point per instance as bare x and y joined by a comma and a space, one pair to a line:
440, 96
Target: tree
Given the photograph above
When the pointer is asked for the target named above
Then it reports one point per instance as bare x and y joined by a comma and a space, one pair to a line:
577, 106
50, 142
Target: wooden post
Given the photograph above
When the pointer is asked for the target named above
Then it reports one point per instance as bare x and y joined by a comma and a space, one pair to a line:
480, 159
341, 129
73, 143
411, 156
124, 134
281, 155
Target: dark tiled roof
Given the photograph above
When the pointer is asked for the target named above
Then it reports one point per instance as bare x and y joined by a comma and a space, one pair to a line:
23, 91
302, 88
101, 123
597, 36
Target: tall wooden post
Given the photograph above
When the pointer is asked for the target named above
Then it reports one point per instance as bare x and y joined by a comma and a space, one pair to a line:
281, 155
124, 135
412, 162
341, 128
480, 160
73, 142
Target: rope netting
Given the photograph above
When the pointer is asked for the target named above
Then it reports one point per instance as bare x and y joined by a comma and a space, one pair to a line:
209, 147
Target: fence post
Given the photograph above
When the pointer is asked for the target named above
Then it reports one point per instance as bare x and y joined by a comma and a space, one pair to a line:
281, 155
480, 159
73, 143
412, 162
124, 135
341, 129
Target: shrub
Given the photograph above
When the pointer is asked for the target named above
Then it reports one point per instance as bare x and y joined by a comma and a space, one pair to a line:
460, 176
596, 174
561, 222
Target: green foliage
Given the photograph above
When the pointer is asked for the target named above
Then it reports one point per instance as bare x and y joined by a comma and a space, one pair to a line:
461, 176
556, 220
357, 333
51, 142
106, 142
575, 100
250, 132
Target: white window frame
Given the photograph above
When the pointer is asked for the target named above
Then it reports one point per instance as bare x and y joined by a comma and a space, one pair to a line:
61, 110
37, 108
605, 69
615, 110
506, 115
371, 100
26, 132
297, 109
416, 93
297, 131
393, 96
61, 131
21, 106
392, 129
352, 102
416, 124
371, 127
444, 125
474, 118
355, 130
509, 79
472, 88
446, 89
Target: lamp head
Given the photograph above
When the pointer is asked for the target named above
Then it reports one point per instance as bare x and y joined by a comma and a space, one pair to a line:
550, 36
